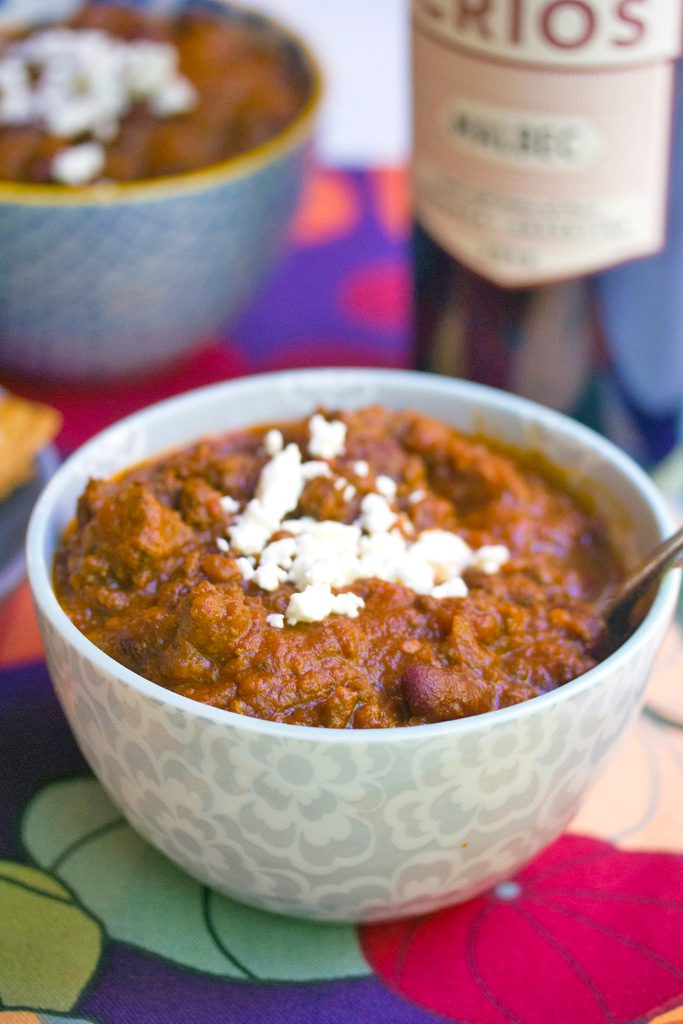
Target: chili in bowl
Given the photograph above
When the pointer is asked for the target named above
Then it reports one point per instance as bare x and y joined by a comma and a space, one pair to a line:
350, 569
369, 787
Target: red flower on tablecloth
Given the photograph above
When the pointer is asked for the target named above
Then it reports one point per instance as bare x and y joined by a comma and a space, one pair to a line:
377, 296
586, 933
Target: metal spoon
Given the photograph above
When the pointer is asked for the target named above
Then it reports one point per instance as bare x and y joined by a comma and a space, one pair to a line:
619, 605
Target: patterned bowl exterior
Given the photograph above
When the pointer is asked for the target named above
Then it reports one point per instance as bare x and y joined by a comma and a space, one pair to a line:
353, 826
107, 284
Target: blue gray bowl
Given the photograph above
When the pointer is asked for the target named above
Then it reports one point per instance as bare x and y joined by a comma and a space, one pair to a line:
110, 280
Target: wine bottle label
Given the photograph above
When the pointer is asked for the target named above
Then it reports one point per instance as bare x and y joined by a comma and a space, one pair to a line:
542, 132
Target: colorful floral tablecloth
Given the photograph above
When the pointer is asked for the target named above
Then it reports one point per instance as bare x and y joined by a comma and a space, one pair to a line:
96, 926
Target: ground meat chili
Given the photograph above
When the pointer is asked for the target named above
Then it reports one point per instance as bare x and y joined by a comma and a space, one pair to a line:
147, 572
215, 87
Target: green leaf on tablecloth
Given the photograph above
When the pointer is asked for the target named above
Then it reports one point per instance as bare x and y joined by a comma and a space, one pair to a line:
49, 946
285, 948
72, 829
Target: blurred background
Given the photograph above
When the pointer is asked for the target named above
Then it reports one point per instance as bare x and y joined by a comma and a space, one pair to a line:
364, 48
340, 290
609, 350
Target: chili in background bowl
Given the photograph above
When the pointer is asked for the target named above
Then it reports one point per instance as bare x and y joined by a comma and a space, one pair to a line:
110, 280
343, 824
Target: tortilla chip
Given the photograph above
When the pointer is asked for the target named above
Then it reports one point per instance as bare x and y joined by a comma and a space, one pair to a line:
25, 428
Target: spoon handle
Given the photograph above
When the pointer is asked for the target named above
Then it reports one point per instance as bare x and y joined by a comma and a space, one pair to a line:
664, 557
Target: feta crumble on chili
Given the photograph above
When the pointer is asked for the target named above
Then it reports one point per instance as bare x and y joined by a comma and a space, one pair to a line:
326, 437
322, 555
83, 82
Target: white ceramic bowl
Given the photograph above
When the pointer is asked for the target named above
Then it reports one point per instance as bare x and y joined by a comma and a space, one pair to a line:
344, 825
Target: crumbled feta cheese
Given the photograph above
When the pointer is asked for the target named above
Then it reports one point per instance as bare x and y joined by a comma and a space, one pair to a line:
75, 82
276, 620
416, 497
246, 568
280, 552
297, 526
15, 92
78, 165
269, 577
311, 605
326, 552
277, 493
222, 544
316, 602
149, 67
446, 552
361, 467
455, 587
280, 483
176, 97
416, 572
327, 437
248, 535
347, 604
340, 483
490, 557
376, 515
381, 555
386, 486
314, 468
273, 442
229, 505
319, 557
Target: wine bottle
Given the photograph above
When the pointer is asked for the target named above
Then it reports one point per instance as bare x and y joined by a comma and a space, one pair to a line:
548, 259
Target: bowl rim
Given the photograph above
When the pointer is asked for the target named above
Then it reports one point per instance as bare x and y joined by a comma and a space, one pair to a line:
231, 169
39, 574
